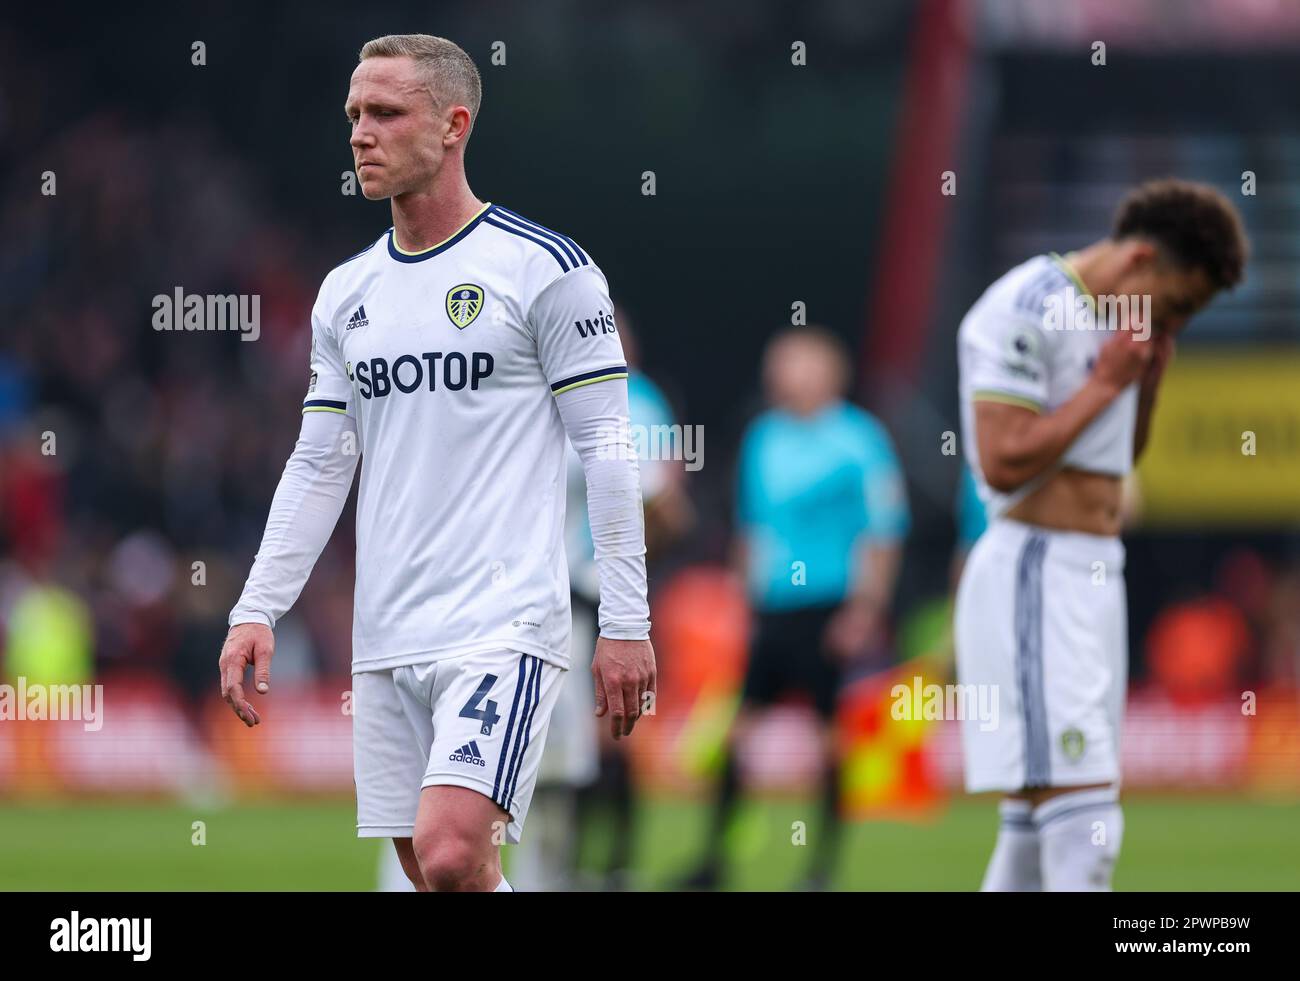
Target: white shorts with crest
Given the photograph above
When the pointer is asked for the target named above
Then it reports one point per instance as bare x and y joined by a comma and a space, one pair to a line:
1041, 617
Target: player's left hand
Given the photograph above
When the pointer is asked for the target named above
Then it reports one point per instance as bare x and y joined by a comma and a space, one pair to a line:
624, 672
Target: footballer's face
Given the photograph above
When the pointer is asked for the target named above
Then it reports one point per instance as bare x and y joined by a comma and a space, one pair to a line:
1176, 292
399, 138
1178, 295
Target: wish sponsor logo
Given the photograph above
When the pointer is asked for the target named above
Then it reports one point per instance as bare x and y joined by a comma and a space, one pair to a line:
602, 323
73, 934
180, 311
53, 703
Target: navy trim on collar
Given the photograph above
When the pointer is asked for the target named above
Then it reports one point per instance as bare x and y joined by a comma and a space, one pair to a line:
442, 247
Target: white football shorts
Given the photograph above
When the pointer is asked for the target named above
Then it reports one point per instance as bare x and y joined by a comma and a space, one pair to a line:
476, 721
1041, 617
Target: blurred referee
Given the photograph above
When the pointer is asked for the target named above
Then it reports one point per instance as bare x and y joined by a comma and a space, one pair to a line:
821, 514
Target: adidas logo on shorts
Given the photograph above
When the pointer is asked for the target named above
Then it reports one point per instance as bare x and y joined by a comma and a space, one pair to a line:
468, 754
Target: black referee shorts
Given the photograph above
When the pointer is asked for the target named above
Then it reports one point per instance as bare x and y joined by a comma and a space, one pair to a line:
787, 657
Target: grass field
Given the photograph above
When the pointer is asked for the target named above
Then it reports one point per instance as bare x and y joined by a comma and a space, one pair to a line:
1171, 843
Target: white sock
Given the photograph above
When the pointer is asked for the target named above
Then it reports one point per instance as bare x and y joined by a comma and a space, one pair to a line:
1014, 866
503, 886
1080, 834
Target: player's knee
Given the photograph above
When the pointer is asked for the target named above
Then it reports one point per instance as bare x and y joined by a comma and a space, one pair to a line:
1078, 866
448, 862
1080, 836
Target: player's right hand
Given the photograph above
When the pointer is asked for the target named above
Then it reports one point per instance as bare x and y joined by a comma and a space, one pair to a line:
247, 643
1123, 359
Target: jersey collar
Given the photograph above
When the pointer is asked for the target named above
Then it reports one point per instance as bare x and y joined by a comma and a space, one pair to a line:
401, 255
1067, 267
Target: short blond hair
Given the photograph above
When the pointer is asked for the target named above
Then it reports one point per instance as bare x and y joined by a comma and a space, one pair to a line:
450, 74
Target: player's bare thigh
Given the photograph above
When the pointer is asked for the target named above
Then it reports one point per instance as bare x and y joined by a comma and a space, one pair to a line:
457, 839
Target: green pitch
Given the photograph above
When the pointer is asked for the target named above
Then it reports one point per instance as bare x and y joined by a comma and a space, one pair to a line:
1171, 843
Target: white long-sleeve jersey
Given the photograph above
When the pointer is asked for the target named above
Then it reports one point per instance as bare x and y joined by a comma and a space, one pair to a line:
454, 374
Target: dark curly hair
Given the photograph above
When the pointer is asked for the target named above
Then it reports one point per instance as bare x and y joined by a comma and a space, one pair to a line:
1195, 225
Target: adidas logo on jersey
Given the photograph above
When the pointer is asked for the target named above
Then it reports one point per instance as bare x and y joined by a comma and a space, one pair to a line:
468, 754
358, 319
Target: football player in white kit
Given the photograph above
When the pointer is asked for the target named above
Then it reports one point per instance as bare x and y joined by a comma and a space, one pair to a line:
454, 354
1056, 403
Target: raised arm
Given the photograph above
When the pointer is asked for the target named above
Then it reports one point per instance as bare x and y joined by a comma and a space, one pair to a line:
1017, 440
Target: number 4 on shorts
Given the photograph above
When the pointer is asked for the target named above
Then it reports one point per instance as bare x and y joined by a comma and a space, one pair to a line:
488, 713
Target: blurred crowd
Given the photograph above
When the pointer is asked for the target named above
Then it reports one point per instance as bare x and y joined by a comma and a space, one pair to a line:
136, 466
